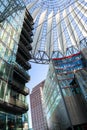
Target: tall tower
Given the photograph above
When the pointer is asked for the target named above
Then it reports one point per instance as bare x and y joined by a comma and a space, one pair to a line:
65, 92
37, 108
16, 26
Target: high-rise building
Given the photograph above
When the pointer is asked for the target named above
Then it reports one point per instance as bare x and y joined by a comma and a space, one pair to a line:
16, 26
65, 92
37, 108
56, 114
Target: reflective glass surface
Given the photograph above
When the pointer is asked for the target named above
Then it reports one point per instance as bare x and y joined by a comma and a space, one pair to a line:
12, 14
53, 102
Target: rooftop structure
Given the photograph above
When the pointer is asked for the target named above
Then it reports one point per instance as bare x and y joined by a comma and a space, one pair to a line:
60, 28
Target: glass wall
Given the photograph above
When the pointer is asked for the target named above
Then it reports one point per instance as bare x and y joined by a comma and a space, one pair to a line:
66, 68
12, 14
11, 20
57, 117
64, 92
10, 122
71, 74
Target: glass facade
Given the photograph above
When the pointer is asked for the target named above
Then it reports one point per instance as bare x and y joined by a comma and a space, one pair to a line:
70, 71
53, 101
65, 68
13, 63
10, 122
65, 93
10, 29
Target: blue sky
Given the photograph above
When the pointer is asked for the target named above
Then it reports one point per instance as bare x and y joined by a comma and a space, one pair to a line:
37, 73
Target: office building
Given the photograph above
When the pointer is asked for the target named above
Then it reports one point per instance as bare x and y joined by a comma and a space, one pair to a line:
65, 92
16, 26
37, 108
56, 114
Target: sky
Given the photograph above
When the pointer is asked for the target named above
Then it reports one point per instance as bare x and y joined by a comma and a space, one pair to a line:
37, 73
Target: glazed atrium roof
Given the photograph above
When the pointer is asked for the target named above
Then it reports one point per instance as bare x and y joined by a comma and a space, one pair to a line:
60, 27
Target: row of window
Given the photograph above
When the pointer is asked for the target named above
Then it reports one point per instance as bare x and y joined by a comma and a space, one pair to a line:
11, 122
6, 92
67, 60
51, 92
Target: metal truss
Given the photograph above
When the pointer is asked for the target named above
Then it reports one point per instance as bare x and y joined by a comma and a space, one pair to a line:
13, 6
42, 58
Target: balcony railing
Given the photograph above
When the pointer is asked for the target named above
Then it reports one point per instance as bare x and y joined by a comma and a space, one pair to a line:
27, 27
21, 71
21, 104
21, 45
28, 20
26, 35
26, 90
23, 89
17, 103
24, 40
24, 51
22, 61
28, 15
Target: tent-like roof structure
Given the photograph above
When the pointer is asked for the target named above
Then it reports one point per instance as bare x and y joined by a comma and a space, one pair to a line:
60, 28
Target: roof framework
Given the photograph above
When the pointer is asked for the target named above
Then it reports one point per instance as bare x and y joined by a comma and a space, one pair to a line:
60, 28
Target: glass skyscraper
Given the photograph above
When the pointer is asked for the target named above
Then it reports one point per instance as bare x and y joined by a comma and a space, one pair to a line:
16, 26
65, 92
57, 118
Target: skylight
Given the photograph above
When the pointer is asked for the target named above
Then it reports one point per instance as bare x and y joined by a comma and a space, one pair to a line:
60, 26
